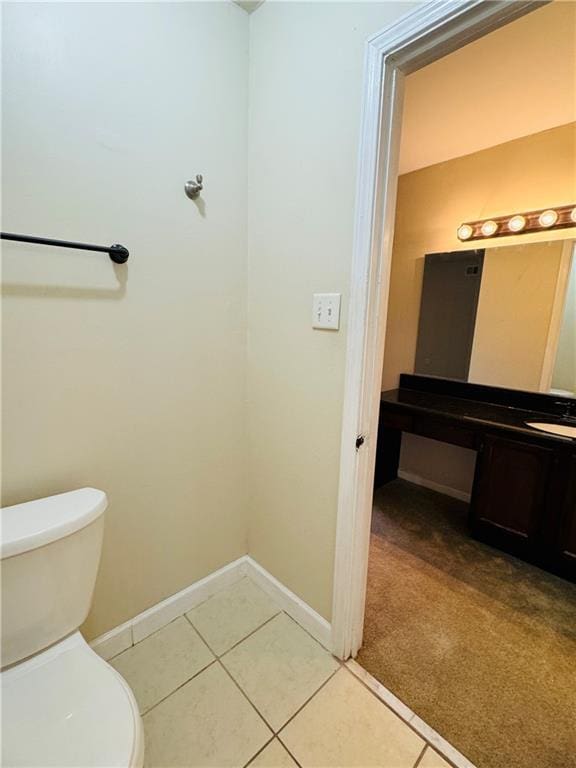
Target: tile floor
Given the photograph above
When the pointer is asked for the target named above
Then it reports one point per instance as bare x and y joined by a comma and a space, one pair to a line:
237, 682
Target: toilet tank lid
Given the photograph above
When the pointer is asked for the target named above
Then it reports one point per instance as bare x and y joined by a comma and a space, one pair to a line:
35, 523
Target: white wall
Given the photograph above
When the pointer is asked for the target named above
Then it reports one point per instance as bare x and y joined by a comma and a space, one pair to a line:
306, 64
131, 380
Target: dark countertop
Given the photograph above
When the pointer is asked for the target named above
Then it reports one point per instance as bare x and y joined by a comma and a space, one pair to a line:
475, 413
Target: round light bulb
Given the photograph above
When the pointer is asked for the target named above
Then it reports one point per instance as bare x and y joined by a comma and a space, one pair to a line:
548, 218
573, 215
517, 223
465, 232
489, 228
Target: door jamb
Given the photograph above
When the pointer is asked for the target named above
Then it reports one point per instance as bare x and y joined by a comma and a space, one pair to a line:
430, 32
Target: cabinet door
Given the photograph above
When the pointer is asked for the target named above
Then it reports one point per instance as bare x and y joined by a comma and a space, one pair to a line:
565, 556
510, 495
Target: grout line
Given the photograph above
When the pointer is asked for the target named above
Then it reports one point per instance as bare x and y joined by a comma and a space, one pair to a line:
282, 745
219, 656
420, 756
199, 635
259, 752
243, 692
308, 633
308, 700
251, 633
298, 763
143, 639
147, 711
112, 658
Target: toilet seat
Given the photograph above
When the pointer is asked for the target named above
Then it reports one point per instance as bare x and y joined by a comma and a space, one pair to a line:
67, 707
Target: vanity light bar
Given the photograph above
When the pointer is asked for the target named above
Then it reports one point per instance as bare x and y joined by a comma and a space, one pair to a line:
519, 224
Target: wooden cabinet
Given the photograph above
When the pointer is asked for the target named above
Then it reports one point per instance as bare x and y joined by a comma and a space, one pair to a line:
524, 495
524, 502
564, 555
510, 497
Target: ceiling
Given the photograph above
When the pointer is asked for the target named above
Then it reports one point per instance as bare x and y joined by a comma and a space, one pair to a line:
516, 81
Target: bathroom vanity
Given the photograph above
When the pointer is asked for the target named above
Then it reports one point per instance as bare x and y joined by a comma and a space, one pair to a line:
524, 492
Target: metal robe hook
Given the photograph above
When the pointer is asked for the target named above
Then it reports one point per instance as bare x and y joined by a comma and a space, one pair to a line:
193, 188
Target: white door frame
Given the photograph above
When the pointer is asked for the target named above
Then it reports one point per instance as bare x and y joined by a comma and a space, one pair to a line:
431, 31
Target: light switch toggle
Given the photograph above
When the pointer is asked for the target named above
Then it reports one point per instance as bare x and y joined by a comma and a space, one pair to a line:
326, 311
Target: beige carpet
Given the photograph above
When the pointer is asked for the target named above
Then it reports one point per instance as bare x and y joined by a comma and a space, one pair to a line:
482, 646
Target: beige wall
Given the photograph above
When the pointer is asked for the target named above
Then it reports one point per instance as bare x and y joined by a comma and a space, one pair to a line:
515, 306
305, 93
521, 175
535, 54
131, 380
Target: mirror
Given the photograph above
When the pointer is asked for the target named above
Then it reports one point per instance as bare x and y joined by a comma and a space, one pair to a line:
503, 316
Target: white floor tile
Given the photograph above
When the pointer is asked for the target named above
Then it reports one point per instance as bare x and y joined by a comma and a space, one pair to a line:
163, 661
279, 667
274, 756
432, 759
205, 724
230, 615
346, 725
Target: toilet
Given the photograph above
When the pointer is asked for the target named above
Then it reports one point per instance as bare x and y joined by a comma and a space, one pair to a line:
62, 705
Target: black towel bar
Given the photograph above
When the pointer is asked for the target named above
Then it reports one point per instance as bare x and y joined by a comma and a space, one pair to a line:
117, 253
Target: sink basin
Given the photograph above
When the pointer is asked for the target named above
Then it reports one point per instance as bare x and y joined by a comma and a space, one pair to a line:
555, 429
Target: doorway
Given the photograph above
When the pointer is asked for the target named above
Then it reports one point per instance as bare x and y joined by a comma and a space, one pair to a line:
431, 32
361, 415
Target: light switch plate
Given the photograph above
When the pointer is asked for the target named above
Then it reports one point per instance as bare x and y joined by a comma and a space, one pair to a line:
326, 311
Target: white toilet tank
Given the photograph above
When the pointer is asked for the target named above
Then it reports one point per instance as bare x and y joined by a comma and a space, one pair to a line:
50, 550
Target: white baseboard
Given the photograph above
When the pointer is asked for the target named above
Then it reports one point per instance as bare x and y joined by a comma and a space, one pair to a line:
124, 636
410, 477
132, 631
294, 606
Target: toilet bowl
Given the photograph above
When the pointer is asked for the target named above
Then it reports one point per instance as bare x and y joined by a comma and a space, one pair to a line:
62, 705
